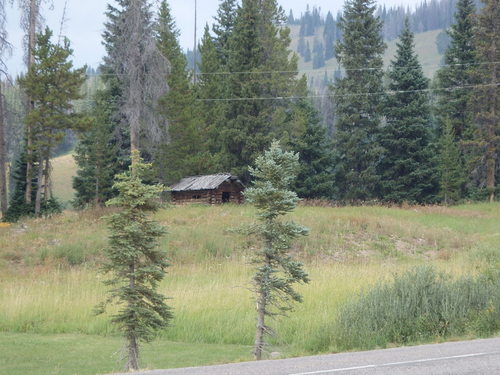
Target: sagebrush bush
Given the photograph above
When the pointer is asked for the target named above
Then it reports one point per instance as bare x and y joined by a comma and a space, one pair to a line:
419, 305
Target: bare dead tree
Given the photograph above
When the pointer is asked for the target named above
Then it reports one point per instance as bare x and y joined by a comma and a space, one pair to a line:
143, 70
5, 48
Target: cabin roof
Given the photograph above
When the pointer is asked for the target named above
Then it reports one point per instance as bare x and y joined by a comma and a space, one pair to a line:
208, 182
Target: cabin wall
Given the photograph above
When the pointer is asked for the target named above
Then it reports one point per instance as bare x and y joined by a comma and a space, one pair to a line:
201, 196
226, 193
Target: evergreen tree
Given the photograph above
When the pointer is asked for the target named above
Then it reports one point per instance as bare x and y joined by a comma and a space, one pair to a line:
52, 85
254, 116
184, 154
291, 19
276, 270
329, 36
135, 262
17, 205
460, 61
307, 53
358, 98
97, 156
451, 166
315, 178
319, 54
407, 166
301, 46
223, 28
486, 103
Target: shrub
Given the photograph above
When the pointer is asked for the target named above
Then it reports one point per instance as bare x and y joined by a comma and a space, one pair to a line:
419, 305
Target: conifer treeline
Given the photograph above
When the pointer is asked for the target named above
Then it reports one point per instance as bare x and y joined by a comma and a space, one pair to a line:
397, 138
426, 16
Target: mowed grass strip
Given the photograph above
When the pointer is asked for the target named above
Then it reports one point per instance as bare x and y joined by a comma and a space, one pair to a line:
77, 354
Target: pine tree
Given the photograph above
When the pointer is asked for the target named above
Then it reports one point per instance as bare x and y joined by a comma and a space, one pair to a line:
135, 262
407, 166
97, 156
358, 98
212, 84
276, 270
301, 46
451, 166
329, 36
454, 102
184, 153
307, 52
18, 207
486, 103
315, 176
52, 84
319, 54
259, 46
223, 28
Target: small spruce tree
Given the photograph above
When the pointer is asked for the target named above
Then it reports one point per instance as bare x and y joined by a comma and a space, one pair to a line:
276, 270
135, 262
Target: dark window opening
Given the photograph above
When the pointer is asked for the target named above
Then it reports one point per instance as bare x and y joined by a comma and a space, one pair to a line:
196, 196
226, 197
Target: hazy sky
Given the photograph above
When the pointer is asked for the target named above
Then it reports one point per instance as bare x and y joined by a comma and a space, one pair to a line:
85, 18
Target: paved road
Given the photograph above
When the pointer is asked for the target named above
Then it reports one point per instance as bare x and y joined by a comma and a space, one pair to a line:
476, 357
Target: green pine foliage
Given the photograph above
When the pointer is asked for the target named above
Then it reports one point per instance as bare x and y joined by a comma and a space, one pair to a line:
223, 29
134, 261
184, 153
329, 36
52, 84
315, 175
277, 271
407, 166
485, 100
17, 206
460, 61
262, 74
358, 98
454, 81
452, 179
97, 156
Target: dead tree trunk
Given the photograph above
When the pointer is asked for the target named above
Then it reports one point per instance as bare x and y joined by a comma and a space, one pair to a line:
39, 186
3, 158
33, 15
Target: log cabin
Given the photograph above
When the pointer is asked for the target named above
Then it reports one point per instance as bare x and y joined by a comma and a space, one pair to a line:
211, 189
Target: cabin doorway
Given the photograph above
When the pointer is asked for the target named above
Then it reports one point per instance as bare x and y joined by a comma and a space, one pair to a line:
226, 197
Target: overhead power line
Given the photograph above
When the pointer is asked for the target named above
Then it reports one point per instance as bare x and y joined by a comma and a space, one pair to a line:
198, 74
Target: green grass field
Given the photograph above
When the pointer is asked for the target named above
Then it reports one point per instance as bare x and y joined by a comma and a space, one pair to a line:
49, 283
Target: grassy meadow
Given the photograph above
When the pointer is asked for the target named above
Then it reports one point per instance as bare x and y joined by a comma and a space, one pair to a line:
49, 281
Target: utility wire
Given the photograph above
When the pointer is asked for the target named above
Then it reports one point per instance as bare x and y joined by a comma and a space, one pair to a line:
333, 95
314, 70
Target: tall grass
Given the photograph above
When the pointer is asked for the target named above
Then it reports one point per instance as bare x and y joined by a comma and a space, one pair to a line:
419, 305
212, 303
202, 233
49, 283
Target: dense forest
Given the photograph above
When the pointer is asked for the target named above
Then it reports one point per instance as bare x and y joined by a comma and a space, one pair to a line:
392, 135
